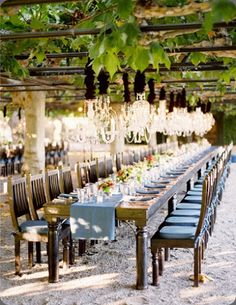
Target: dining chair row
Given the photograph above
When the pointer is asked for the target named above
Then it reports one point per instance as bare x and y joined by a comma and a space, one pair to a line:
91, 171
192, 222
27, 195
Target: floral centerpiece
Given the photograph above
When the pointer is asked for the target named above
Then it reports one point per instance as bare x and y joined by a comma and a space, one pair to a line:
124, 174
150, 160
106, 185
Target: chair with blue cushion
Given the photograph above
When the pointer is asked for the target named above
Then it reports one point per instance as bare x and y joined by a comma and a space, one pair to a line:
32, 230
186, 234
37, 198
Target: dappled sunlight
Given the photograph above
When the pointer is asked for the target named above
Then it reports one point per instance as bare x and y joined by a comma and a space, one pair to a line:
191, 292
91, 282
221, 265
225, 253
30, 274
216, 299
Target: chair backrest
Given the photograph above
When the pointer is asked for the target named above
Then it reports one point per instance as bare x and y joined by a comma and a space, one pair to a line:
37, 193
207, 196
109, 166
136, 156
142, 155
81, 169
131, 157
101, 168
125, 158
92, 171
65, 179
18, 200
118, 162
52, 184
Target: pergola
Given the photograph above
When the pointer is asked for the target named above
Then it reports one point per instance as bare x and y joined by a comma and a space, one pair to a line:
186, 44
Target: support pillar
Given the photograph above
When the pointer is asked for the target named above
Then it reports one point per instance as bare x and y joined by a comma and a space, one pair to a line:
34, 151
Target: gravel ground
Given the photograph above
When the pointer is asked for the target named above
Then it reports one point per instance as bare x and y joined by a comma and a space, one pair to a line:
106, 274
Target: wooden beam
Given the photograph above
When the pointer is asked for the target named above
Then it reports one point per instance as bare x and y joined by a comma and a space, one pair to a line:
168, 50
80, 32
10, 3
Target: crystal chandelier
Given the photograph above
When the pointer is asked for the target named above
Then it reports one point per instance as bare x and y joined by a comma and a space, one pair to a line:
136, 119
103, 117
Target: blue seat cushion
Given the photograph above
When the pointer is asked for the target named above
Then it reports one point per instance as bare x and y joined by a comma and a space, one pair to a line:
197, 199
194, 192
181, 221
177, 232
198, 186
187, 213
188, 206
34, 227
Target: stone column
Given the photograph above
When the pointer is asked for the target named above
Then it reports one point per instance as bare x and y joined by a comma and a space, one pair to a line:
34, 150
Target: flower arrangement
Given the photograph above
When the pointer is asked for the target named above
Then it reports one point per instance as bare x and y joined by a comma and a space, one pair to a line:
150, 160
124, 174
106, 185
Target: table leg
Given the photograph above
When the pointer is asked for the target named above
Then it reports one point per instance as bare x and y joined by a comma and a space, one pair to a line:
172, 203
141, 258
53, 255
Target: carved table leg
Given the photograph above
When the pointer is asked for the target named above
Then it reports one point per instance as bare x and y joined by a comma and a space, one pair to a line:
53, 255
141, 258
155, 271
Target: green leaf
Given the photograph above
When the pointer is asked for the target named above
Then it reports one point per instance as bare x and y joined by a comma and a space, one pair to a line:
97, 65
208, 23
197, 58
125, 8
132, 32
141, 59
40, 56
36, 24
223, 10
159, 56
111, 63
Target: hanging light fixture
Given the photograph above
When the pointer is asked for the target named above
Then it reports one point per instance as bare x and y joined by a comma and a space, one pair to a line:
159, 119
137, 117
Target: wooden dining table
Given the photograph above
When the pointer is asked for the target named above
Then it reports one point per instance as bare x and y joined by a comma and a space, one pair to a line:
139, 212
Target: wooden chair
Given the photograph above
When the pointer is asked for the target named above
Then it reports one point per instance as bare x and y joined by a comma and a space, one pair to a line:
125, 158
81, 169
65, 179
101, 168
92, 171
52, 184
31, 230
109, 166
182, 236
136, 157
118, 161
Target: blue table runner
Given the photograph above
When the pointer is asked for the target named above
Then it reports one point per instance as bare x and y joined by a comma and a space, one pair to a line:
92, 220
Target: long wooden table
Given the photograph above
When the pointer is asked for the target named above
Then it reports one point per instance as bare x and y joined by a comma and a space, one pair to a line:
140, 213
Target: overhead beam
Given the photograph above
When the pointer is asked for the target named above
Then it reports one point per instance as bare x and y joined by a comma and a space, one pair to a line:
67, 70
185, 80
80, 32
10, 3
168, 50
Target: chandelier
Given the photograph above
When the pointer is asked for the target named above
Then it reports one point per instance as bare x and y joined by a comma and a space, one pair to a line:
136, 119
181, 122
103, 117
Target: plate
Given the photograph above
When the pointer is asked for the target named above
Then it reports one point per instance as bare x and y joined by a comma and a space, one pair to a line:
147, 191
